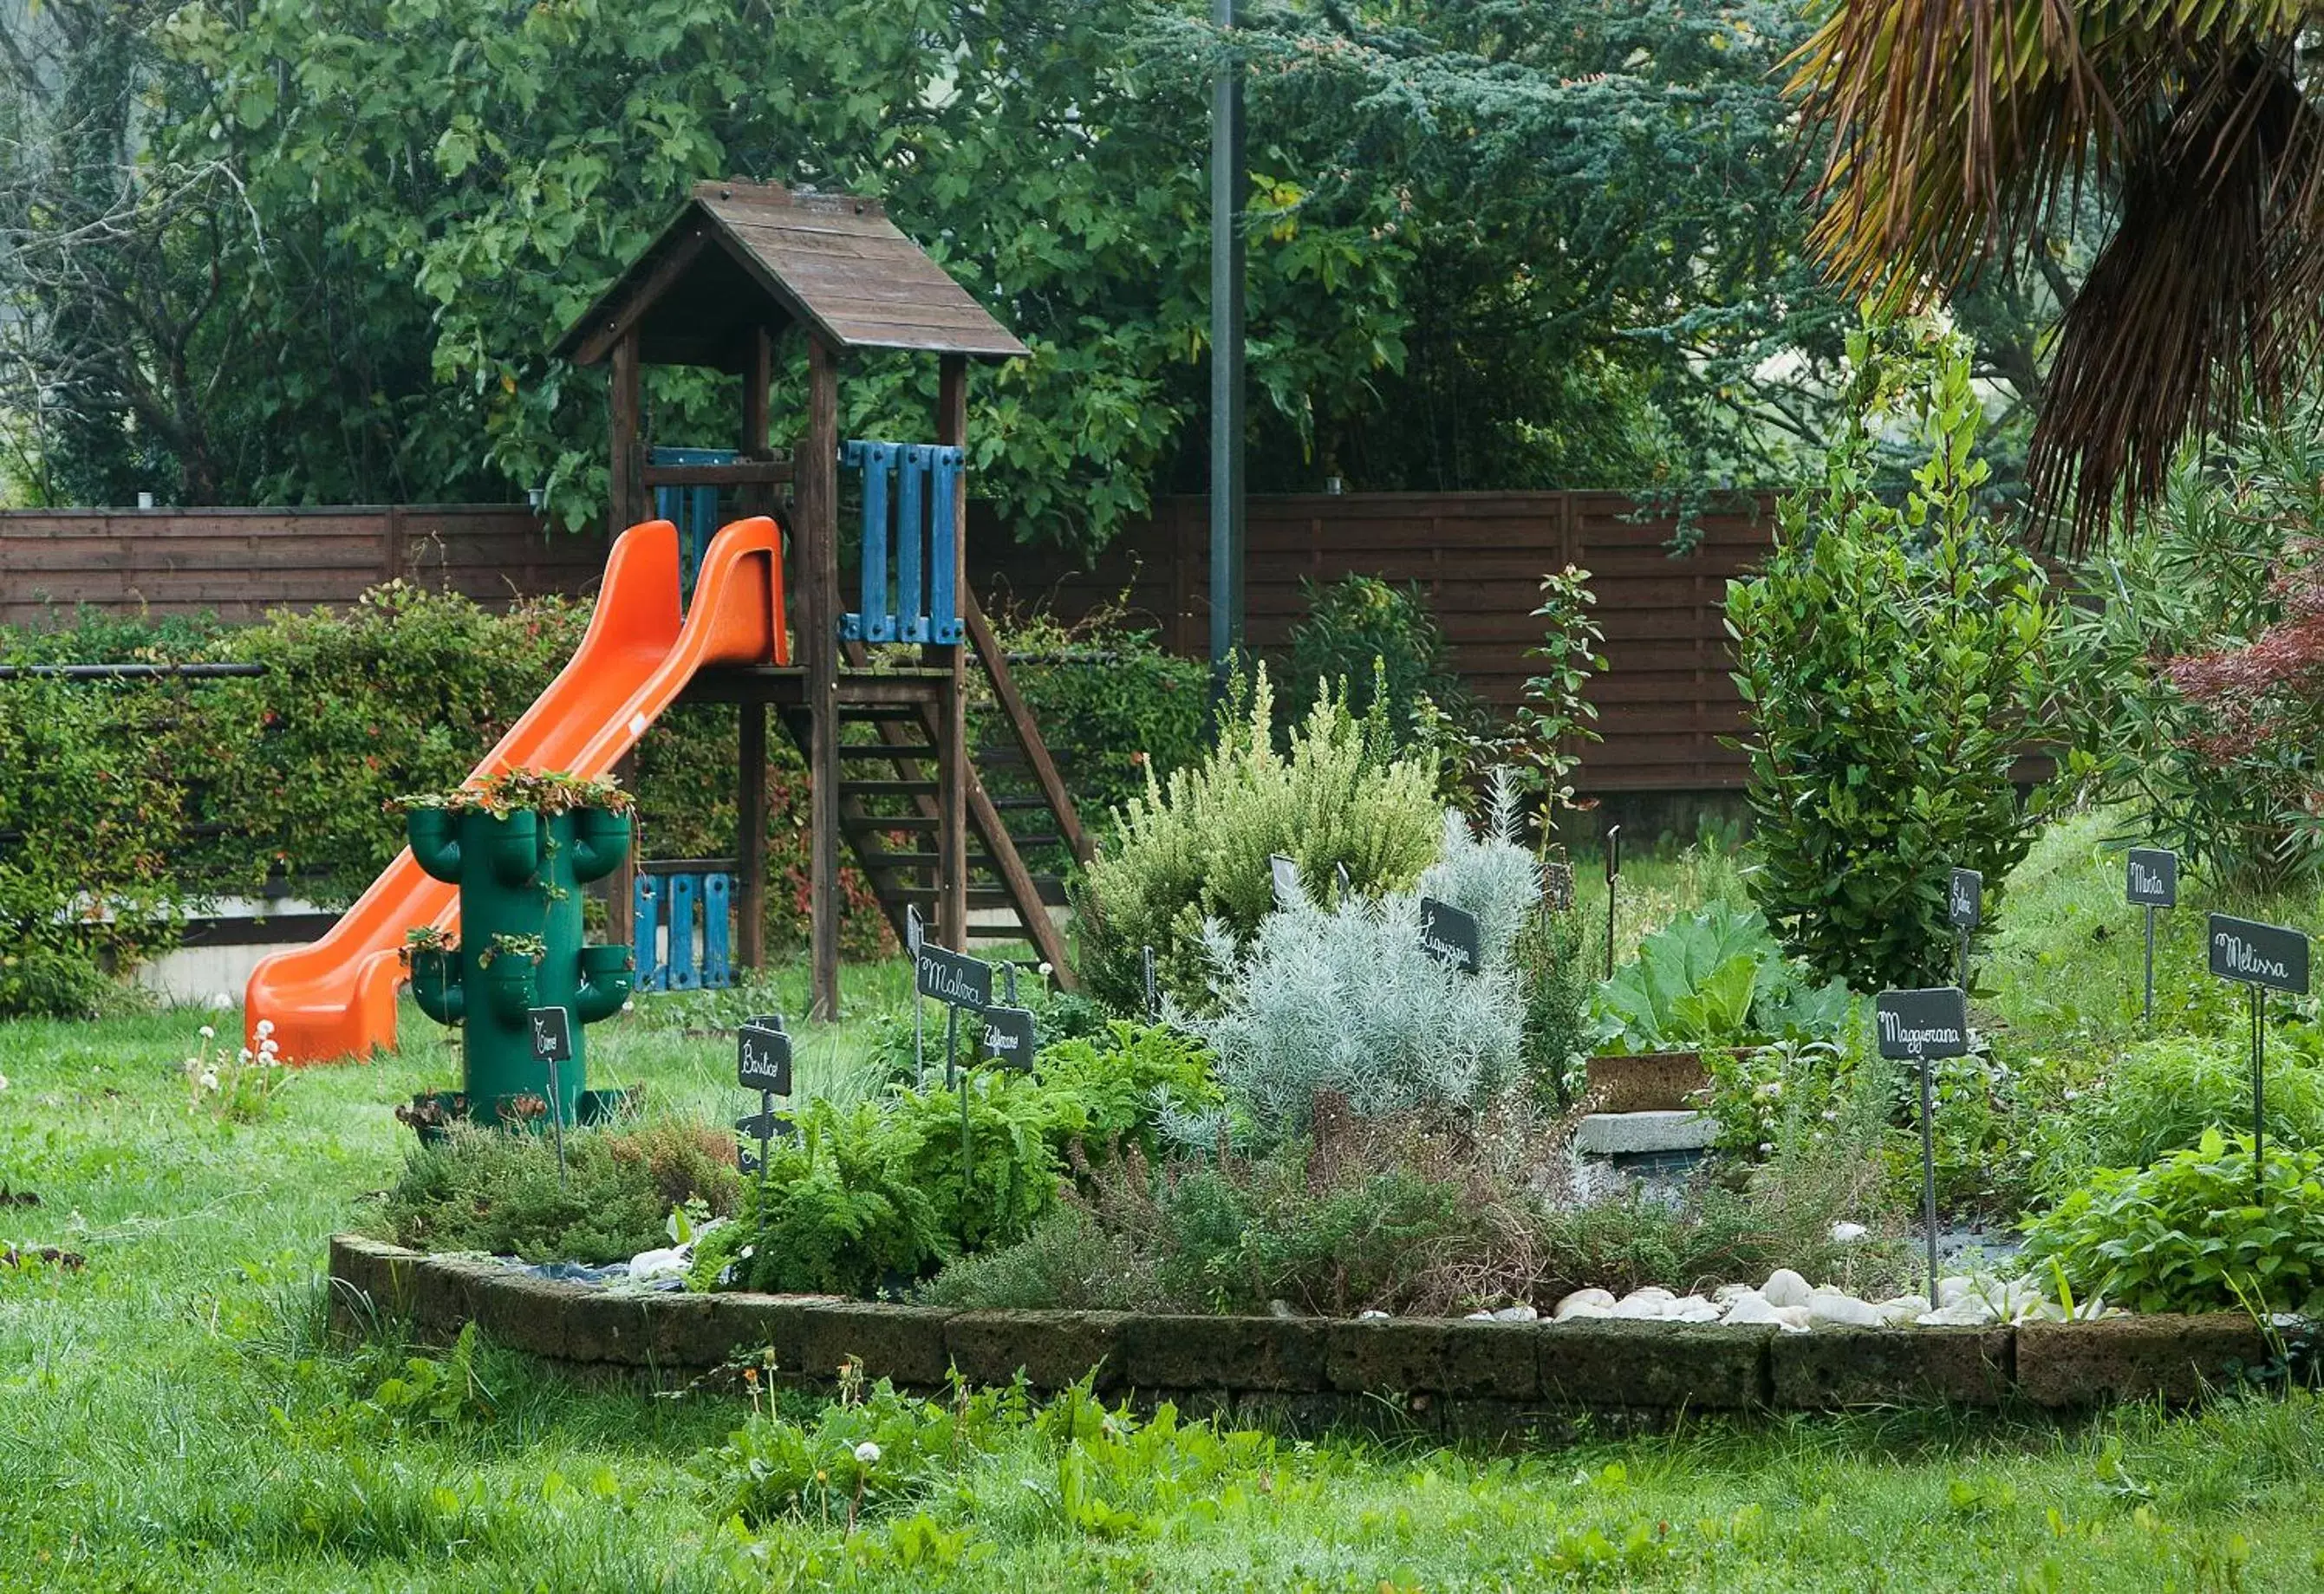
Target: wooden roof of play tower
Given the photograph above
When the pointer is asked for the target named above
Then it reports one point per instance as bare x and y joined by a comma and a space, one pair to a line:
742, 255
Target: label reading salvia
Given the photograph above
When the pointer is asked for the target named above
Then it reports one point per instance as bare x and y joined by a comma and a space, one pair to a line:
1449, 934
947, 976
1009, 1037
762, 1057
1916, 1024
2259, 954
1965, 902
2151, 877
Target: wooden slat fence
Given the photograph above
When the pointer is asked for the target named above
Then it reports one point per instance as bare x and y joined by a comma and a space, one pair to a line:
1664, 701
239, 563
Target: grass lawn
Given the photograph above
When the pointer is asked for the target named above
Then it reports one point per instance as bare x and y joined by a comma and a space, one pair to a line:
171, 1416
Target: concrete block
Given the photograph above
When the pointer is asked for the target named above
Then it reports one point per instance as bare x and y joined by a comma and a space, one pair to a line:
1051, 1348
1432, 1356
2178, 1359
904, 1344
1834, 1368
1246, 1354
1651, 1365
1631, 1134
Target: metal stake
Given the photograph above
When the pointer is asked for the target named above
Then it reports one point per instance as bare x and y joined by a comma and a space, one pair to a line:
1613, 877
1928, 1169
557, 1120
2150, 963
2259, 1092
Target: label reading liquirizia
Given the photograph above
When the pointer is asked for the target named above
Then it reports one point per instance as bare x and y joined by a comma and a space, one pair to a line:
2151, 878
1449, 934
1918, 1025
2259, 954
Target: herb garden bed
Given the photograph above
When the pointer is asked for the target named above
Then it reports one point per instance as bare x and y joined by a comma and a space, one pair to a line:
1456, 1375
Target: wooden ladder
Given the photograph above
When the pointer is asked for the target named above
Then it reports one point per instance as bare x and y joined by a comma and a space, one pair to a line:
889, 807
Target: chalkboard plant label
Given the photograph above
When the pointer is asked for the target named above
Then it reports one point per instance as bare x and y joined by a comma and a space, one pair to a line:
763, 1127
1449, 934
2259, 954
950, 978
762, 1059
1965, 901
2151, 877
1919, 1026
1008, 1037
1557, 887
552, 1034
1285, 874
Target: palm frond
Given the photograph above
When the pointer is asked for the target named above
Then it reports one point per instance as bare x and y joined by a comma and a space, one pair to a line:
1956, 125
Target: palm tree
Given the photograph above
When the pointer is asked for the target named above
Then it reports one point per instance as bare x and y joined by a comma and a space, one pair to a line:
1955, 124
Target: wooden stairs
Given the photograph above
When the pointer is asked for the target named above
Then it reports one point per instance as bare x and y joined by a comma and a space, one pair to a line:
889, 762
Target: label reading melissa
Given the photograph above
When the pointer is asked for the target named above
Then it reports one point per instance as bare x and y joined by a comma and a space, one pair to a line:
2259, 954
2151, 878
1449, 934
1918, 1025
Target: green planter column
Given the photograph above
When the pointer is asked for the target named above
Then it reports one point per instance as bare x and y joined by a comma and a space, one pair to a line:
520, 876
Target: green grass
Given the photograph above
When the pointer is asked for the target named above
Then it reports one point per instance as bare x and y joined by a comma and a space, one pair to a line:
172, 1417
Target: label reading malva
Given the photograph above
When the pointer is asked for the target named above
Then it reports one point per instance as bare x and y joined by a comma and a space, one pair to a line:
2259, 954
947, 976
1915, 1024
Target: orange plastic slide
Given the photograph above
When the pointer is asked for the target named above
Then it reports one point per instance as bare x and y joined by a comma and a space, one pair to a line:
336, 999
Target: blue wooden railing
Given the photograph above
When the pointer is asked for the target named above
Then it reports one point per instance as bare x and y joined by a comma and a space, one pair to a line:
664, 931
694, 510
910, 534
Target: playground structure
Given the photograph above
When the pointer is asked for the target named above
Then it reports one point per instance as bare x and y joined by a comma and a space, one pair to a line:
884, 734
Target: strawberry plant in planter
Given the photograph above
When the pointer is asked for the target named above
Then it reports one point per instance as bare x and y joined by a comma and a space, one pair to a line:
519, 845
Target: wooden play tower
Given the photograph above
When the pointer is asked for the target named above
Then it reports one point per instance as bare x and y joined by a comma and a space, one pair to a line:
877, 695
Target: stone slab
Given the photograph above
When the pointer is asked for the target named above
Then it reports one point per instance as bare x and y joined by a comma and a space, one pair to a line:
1835, 1368
1653, 1366
1453, 1358
1653, 1082
1258, 1354
1052, 1349
904, 1344
2176, 1358
1629, 1134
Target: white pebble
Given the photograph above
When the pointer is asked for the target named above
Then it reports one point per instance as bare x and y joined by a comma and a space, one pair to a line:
1844, 1312
1692, 1309
1784, 1288
1844, 1233
1518, 1313
1643, 1305
1591, 1302
1748, 1309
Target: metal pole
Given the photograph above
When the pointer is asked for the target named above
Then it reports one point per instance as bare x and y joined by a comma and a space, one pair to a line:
2150, 964
1961, 979
557, 1120
2259, 1091
1929, 1170
1613, 876
1227, 525
952, 1040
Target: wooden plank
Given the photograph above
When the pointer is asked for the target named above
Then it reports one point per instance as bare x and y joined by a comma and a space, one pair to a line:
818, 528
1028, 735
624, 396
952, 716
751, 837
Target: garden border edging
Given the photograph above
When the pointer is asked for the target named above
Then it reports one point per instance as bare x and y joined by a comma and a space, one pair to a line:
1468, 1373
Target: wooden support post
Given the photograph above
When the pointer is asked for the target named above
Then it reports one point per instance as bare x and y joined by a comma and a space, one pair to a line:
621, 886
951, 716
751, 844
626, 498
818, 485
758, 378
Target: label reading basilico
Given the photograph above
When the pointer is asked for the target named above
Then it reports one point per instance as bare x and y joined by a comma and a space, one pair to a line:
2259, 954
1915, 1026
950, 978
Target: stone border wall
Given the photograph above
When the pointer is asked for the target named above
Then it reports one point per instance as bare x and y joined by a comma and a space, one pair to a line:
1458, 1376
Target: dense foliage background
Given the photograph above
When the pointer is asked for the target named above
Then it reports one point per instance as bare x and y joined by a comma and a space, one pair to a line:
267, 252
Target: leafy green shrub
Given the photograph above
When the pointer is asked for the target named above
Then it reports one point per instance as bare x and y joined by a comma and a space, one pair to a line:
833, 1212
1890, 662
2191, 1233
1127, 1080
90, 822
2222, 562
1716, 979
1347, 1001
500, 1191
859, 1457
1379, 643
1552, 953
2161, 1096
1068, 1261
1197, 848
1558, 715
